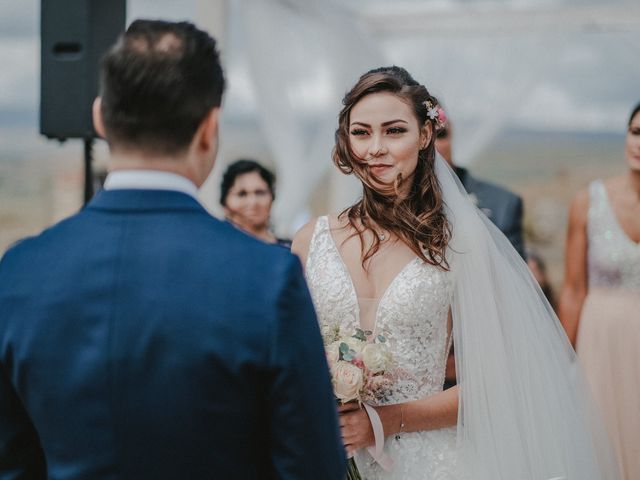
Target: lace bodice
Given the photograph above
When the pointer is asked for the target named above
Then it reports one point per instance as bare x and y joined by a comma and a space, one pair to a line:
613, 258
412, 313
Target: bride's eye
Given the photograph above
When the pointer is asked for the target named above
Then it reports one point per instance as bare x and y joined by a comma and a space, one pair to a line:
396, 130
358, 131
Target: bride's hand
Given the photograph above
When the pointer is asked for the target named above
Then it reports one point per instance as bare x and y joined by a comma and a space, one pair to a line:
355, 427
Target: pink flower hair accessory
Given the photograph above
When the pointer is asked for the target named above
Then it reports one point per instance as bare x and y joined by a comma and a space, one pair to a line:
436, 113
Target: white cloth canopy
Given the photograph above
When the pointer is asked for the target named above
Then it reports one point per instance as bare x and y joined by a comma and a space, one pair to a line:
289, 62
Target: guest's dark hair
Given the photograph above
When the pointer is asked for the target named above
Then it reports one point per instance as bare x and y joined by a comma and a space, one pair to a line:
418, 219
240, 167
634, 112
158, 82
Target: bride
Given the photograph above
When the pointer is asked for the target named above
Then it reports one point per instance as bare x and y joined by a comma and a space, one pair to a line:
415, 261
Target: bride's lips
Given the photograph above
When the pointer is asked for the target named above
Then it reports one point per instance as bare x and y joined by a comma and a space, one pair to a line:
378, 168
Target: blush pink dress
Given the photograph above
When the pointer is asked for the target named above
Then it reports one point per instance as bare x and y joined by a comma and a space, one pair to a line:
608, 342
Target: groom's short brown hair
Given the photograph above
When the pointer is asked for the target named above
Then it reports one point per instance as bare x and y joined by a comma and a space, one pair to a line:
158, 82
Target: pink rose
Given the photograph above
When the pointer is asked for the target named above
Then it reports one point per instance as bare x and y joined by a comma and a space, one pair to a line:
347, 381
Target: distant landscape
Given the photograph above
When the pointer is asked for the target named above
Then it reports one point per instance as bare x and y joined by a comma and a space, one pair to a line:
41, 180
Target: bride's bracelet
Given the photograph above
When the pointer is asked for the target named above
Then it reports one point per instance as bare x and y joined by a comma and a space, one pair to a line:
401, 423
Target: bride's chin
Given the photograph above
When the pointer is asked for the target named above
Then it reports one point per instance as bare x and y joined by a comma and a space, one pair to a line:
390, 189
381, 188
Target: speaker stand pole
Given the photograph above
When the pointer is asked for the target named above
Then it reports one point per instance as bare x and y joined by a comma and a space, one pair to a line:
88, 169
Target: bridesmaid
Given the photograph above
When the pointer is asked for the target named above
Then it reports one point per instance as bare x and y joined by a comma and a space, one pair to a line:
247, 193
600, 302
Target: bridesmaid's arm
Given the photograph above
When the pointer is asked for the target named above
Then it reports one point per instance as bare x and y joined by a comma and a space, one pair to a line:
574, 289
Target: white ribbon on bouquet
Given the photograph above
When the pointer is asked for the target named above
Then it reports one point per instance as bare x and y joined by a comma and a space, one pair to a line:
377, 451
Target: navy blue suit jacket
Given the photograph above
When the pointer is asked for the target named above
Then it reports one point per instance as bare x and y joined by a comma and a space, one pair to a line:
144, 339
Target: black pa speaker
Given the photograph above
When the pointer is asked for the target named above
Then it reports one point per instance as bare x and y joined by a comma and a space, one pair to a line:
74, 36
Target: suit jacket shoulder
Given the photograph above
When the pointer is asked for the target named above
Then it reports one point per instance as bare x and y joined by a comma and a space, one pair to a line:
475, 185
503, 207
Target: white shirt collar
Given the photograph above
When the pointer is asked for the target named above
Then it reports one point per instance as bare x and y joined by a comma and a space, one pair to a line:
150, 180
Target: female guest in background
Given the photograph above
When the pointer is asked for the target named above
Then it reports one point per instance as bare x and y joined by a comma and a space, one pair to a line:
600, 302
246, 194
409, 259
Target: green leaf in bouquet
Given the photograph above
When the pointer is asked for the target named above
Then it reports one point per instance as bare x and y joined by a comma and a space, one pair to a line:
381, 339
344, 349
360, 335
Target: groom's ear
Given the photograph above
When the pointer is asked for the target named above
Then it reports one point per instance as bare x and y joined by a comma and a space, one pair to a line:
207, 134
98, 121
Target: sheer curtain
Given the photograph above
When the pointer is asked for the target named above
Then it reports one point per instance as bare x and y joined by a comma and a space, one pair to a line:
300, 57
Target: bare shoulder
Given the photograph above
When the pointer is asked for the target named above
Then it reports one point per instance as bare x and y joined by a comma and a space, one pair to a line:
302, 240
617, 188
615, 183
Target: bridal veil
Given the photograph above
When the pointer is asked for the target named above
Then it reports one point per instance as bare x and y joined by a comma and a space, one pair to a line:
525, 410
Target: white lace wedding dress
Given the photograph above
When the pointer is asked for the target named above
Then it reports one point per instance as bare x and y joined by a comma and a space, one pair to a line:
413, 315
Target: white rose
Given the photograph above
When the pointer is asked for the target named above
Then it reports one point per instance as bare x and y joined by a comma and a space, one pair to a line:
355, 344
333, 354
376, 357
347, 381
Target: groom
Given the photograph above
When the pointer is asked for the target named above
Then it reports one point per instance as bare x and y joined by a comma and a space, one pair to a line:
142, 338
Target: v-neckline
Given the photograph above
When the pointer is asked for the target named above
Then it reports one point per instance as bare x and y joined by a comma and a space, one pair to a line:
614, 217
353, 286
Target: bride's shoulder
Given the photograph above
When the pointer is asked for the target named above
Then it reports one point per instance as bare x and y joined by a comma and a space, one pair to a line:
302, 240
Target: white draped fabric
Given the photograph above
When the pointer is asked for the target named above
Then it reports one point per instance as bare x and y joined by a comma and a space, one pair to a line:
525, 410
289, 62
302, 56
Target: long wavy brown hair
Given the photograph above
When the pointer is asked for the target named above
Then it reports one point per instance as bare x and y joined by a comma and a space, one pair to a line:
418, 218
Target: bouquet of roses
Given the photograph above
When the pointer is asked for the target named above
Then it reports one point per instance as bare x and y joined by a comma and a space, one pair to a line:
361, 371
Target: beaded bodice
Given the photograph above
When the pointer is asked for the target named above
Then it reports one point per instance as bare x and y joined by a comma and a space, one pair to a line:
613, 258
412, 313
